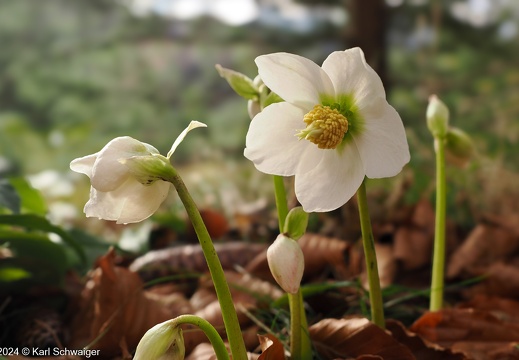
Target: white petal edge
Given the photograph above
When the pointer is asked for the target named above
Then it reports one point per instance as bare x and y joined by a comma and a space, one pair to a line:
332, 182
294, 78
272, 144
383, 145
351, 74
192, 125
84, 165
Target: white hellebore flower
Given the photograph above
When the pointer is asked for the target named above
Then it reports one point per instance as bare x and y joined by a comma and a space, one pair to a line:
334, 128
127, 178
286, 262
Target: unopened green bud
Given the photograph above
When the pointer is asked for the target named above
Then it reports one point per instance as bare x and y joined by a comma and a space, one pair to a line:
286, 262
240, 83
149, 168
164, 341
437, 117
459, 147
296, 223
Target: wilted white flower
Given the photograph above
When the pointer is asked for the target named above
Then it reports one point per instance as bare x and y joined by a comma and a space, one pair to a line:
286, 262
334, 128
127, 178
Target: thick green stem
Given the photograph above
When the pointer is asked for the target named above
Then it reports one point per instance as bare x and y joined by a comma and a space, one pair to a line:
230, 318
300, 347
209, 330
375, 294
439, 231
281, 201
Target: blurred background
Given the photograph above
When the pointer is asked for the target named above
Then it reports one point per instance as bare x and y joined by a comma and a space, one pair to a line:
75, 74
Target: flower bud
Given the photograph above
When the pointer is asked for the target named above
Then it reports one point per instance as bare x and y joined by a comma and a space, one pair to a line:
286, 263
164, 341
459, 148
437, 117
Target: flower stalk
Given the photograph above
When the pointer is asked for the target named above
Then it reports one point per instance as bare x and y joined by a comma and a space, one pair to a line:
300, 347
438, 269
375, 294
230, 318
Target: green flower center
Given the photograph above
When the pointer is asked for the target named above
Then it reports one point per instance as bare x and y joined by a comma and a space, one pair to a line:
325, 127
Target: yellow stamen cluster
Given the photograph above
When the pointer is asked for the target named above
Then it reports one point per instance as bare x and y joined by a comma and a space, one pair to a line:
325, 127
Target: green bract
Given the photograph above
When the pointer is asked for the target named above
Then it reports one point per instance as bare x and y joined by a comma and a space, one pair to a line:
296, 223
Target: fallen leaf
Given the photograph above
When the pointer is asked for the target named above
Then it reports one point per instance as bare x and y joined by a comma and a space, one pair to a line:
346, 338
271, 348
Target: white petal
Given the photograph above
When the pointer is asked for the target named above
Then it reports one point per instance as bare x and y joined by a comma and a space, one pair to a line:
142, 204
272, 144
132, 202
295, 78
84, 164
332, 182
383, 144
350, 74
108, 172
192, 125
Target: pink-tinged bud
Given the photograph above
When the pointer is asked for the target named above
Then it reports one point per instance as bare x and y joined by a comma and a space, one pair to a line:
286, 263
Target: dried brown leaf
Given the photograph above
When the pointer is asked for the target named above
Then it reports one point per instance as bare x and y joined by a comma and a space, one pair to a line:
114, 310
450, 326
190, 258
346, 338
421, 348
485, 245
271, 348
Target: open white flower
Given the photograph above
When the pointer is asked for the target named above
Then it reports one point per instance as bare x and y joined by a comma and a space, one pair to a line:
127, 178
334, 128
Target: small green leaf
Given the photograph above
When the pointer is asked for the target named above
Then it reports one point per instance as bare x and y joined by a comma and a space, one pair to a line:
9, 198
240, 83
35, 222
296, 223
31, 199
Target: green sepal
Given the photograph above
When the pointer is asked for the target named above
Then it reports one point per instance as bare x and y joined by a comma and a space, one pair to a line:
296, 223
240, 83
270, 99
458, 146
149, 168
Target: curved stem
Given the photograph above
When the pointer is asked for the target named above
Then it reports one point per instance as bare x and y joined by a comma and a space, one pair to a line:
209, 330
438, 269
230, 318
375, 294
300, 347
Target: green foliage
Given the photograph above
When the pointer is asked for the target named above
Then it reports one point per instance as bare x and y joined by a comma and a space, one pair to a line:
9, 197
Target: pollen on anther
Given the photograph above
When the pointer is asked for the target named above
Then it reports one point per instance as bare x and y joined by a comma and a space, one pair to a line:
325, 127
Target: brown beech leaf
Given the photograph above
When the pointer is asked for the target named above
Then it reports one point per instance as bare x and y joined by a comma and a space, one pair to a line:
500, 280
386, 265
205, 351
505, 309
114, 311
450, 326
421, 348
485, 245
190, 258
346, 338
271, 348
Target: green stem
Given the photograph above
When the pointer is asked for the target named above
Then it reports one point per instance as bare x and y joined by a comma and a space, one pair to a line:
281, 201
439, 231
230, 318
209, 330
375, 294
300, 347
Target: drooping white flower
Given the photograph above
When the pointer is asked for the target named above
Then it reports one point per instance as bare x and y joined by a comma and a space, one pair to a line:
127, 178
334, 128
